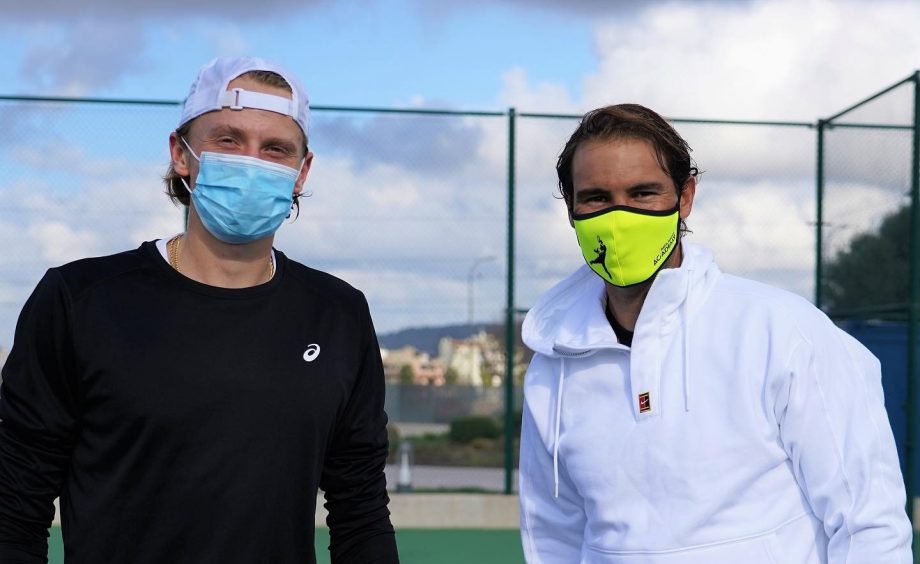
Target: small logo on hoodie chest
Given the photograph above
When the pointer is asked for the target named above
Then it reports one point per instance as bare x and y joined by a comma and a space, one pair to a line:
645, 402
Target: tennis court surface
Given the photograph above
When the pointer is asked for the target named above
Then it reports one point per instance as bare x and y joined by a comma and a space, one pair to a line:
416, 546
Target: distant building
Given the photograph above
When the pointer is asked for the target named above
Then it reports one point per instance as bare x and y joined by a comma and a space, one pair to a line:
395, 359
429, 372
425, 370
477, 360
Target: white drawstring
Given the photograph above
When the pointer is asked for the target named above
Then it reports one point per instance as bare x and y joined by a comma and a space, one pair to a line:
558, 420
686, 331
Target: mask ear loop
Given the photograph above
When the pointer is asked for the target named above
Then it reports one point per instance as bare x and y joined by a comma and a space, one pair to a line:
297, 196
190, 150
189, 147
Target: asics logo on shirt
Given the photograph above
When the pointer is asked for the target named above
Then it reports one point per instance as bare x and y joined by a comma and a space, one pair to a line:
311, 353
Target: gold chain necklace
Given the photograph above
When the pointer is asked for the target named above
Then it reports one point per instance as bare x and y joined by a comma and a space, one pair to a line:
172, 251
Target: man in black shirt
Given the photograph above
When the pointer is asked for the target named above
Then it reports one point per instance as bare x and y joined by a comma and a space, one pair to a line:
187, 399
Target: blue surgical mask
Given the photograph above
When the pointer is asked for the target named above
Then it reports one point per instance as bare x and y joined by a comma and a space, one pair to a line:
241, 199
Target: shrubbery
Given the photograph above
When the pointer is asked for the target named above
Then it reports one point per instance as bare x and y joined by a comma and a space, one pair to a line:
474, 441
465, 429
393, 438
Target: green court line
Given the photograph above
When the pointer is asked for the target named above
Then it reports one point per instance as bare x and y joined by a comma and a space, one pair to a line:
416, 546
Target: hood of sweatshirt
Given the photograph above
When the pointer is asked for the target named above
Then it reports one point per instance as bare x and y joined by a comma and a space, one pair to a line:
569, 322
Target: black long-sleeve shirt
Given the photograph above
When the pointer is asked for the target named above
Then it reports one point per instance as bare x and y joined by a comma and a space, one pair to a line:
181, 422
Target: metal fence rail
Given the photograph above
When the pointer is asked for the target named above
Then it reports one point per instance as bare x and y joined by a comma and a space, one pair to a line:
867, 268
440, 216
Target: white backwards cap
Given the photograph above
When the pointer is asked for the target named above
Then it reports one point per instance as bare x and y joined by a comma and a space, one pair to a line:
209, 91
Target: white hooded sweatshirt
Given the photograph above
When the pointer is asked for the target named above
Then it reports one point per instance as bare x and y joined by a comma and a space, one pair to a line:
742, 426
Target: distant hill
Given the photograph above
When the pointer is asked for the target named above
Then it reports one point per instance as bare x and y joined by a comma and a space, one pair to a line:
426, 339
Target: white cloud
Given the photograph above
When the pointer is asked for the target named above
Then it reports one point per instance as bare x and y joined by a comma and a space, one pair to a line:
545, 96
66, 205
770, 59
755, 225
856, 208
37, 155
81, 48
402, 207
400, 299
405, 237
58, 242
227, 38
63, 10
401, 195
88, 54
593, 9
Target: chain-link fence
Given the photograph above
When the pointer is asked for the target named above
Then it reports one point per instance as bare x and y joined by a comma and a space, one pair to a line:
868, 248
412, 207
754, 205
409, 206
865, 157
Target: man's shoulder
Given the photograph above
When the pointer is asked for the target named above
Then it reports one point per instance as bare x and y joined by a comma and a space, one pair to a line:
758, 299
323, 285
754, 289
85, 273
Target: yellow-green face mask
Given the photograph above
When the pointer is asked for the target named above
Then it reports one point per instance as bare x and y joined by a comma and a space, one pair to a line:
625, 245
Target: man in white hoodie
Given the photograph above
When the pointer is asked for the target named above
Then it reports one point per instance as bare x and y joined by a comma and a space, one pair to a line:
782, 453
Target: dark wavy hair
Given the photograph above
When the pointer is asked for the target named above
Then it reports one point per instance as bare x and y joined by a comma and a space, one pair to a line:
176, 191
629, 121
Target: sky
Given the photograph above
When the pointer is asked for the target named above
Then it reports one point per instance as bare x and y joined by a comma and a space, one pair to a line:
411, 210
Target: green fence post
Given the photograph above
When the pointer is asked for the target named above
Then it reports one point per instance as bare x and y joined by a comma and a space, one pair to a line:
819, 214
509, 317
912, 388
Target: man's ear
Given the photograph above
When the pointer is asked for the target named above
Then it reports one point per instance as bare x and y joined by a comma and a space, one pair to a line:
304, 171
686, 197
178, 154
568, 208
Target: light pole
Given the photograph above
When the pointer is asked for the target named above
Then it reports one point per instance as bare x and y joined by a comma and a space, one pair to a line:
470, 278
